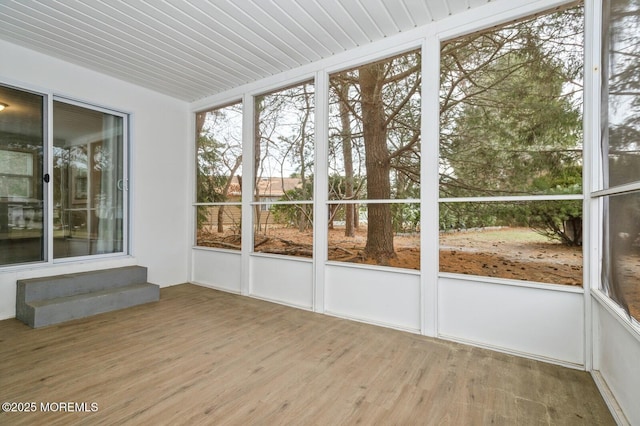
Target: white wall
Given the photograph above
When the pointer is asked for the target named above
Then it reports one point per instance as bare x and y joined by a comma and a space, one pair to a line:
159, 164
281, 279
537, 321
220, 269
617, 358
380, 296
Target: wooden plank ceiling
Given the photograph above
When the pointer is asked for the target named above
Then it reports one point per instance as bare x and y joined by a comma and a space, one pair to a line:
190, 49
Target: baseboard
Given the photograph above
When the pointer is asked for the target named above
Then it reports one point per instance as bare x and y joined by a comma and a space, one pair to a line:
609, 399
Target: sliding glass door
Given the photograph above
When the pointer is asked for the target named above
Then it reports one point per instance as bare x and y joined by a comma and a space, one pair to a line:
73, 204
88, 181
22, 143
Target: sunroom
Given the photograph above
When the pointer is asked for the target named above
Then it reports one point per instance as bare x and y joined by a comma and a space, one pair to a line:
465, 170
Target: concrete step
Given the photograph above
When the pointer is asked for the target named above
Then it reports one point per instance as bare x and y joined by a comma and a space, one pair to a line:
79, 283
52, 300
54, 311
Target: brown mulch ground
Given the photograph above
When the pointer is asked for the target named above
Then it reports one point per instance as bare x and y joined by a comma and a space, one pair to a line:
495, 254
465, 253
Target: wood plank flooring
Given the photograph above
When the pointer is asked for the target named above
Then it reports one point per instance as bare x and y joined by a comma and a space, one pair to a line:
201, 356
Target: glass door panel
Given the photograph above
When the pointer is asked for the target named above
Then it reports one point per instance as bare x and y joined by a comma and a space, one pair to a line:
88, 181
21, 185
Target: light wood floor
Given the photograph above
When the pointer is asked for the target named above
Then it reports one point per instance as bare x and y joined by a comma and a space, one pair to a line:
201, 356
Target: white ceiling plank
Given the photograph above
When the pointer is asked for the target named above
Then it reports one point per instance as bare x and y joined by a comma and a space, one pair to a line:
201, 28
193, 49
234, 31
438, 9
267, 32
346, 21
260, 36
312, 49
207, 49
371, 27
400, 15
313, 27
95, 50
83, 28
457, 6
328, 23
154, 36
50, 46
477, 3
379, 14
419, 11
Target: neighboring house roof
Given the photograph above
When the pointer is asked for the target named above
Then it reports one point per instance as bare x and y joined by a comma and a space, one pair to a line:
277, 186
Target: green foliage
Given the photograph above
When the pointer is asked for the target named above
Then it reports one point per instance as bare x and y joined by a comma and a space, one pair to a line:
405, 218
511, 124
295, 215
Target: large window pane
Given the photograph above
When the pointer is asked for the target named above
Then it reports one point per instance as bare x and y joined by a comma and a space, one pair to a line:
531, 241
219, 154
354, 247
21, 164
621, 153
219, 177
88, 181
219, 226
374, 154
284, 169
621, 92
621, 255
285, 229
510, 103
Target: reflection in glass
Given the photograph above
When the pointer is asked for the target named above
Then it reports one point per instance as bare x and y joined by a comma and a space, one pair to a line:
621, 254
21, 186
511, 109
88, 181
219, 226
621, 97
285, 229
537, 241
350, 244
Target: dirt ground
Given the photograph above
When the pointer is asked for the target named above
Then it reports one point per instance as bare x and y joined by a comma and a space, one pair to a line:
519, 254
494, 254
507, 253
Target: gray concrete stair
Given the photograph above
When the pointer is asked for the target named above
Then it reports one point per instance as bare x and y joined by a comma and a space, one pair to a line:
52, 300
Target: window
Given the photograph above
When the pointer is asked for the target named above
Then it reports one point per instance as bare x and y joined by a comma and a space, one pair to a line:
87, 180
374, 163
620, 147
219, 179
283, 171
510, 159
22, 143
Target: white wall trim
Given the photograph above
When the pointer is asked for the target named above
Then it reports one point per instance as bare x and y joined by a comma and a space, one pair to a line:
374, 323
514, 283
617, 313
609, 399
512, 352
215, 287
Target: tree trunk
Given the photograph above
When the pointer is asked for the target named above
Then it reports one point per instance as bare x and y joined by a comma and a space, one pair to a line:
225, 193
349, 214
303, 221
378, 164
256, 162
